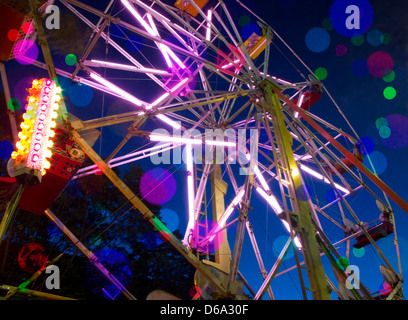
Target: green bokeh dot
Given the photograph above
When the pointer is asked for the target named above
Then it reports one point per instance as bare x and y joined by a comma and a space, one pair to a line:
386, 38
321, 74
381, 122
390, 93
389, 77
14, 104
326, 23
244, 20
358, 40
70, 59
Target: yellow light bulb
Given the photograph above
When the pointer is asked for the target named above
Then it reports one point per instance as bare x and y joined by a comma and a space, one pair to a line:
295, 172
53, 124
51, 134
13, 155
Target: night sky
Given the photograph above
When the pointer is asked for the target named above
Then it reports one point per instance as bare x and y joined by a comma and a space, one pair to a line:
365, 74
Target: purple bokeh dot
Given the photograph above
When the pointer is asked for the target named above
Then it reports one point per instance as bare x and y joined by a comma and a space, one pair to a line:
25, 52
157, 186
379, 63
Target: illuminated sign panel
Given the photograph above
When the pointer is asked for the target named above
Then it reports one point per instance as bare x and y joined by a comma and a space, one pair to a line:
186, 6
255, 45
34, 146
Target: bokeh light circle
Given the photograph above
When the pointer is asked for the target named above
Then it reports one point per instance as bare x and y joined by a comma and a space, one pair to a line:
279, 244
379, 63
303, 192
317, 39
389, 76
381, 122
80, 94
358, 40
170, 219
13, 35
365, 145
244, 20
70, 59
341, 50
359, 252
249, 29
326, 23
321, 73
14, 104
339, 16
398, 137
384, 132
157, 186
386, 38
374, 37
390, 93
25, 52
27, 28
376, 162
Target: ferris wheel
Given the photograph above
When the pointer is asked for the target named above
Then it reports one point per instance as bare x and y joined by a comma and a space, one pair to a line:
249, 139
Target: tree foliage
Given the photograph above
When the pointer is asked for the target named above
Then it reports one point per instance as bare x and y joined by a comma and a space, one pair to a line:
101, 217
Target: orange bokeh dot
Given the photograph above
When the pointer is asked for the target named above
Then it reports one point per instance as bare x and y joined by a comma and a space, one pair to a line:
13, 34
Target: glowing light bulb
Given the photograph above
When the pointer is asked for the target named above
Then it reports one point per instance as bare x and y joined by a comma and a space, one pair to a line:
53, 124
47, 164
52, 133
35, 83
50, 143
295, 172
58, 90
48, 154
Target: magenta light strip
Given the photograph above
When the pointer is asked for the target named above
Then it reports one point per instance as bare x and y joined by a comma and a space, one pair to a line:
114, 65
190, 192
114, 88
223, 219
166, 51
